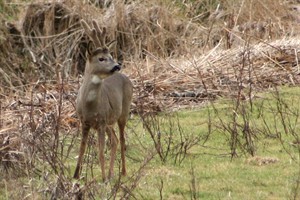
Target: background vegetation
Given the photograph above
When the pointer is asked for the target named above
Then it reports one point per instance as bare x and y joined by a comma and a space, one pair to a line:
215, 111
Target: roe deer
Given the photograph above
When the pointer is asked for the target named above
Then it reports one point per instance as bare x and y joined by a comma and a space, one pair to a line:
103, 99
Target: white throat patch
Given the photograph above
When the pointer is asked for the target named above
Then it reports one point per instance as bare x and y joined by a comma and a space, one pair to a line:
96, 79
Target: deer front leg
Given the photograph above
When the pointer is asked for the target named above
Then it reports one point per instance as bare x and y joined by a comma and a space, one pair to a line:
101, 146
114, 145
85, 133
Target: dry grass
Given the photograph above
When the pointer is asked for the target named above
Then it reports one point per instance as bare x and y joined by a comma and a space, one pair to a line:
191, 79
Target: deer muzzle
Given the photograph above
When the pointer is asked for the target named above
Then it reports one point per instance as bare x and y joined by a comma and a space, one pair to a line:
116, 68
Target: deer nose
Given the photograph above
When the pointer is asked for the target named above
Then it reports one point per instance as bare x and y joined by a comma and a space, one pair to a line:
116, 68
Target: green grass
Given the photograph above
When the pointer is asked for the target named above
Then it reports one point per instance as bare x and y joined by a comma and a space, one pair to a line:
208, 165
218, 176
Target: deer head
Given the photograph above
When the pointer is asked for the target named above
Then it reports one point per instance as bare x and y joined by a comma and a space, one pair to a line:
99, 59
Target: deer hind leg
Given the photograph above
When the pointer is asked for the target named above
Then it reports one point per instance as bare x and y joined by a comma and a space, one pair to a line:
108, 141
114, 145
101, 146
85, 133
121, 124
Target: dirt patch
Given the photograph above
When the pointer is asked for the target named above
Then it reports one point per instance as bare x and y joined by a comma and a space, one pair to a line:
261, 161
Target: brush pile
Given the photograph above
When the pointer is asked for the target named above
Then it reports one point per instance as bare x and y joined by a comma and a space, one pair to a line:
192, 80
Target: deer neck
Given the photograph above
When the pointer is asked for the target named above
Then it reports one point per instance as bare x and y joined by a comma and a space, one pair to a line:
92, 84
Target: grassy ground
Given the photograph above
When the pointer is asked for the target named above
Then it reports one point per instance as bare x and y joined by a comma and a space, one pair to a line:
207, 171
271, 174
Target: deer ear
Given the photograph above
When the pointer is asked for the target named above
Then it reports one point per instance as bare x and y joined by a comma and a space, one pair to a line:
90, 48
112, 45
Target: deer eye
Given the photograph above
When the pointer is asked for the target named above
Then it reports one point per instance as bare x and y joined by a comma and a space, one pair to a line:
102, 59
